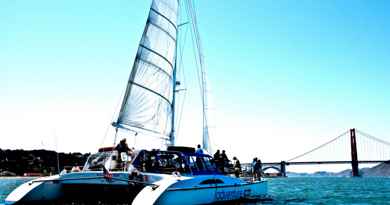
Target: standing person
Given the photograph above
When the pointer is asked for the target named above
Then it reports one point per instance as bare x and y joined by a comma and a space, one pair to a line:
199, 160
216, 155
217, 160
237, 167
225, 158
253, 165
199, 150
122, 147
258, 170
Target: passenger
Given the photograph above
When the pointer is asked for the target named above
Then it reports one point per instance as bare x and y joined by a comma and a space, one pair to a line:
258, 170
148, 163
123, 152
199, 150
199, 163
75, 169
216, 156
253, 164
224, 161
156, 166
64, 171
237, 167
218, 161
123, 147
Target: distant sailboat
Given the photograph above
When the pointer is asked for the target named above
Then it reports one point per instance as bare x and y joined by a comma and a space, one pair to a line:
176, 175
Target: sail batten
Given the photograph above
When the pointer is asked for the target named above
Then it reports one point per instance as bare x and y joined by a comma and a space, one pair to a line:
155, 66
150, 90
173, 24
166, 32
148, 100
158, 54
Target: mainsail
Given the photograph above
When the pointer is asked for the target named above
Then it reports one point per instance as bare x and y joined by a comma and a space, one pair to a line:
148, 100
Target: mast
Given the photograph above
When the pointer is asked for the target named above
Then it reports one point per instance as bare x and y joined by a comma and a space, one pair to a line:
172, 136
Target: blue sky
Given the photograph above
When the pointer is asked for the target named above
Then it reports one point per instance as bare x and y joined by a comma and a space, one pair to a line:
280, 71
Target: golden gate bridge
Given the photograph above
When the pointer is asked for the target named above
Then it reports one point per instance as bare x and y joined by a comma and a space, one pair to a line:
355, 141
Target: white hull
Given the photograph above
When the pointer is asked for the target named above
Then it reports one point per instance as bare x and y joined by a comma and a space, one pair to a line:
88, 185
32, 191
170, 189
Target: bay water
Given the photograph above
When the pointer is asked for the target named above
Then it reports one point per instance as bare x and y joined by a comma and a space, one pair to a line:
297, 190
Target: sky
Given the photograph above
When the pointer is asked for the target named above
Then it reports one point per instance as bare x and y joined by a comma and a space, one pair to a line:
285, 76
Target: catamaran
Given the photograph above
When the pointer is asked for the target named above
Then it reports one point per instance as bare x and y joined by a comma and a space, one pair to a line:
174, 175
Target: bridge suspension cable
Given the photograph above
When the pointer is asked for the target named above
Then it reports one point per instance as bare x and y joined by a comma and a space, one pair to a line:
373, 138
318, 147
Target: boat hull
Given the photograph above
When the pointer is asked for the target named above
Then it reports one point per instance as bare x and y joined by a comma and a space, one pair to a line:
84, 187
193, 192
31, 192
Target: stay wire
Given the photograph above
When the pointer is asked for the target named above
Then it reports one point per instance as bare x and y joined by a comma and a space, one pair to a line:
318, 147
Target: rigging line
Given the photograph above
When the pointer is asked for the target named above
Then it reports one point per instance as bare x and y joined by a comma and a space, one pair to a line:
193, 36
318, 147
112, 118
200, 66
196, 57
198, 46
201, 72
204, 83
373, 138
195, 24
194, 46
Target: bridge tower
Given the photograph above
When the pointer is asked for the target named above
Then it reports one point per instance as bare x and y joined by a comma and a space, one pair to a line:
354, 157
283, 168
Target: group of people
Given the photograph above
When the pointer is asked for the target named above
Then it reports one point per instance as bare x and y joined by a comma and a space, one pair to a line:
222, 162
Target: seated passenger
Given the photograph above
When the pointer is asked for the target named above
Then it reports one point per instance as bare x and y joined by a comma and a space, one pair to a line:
75, 169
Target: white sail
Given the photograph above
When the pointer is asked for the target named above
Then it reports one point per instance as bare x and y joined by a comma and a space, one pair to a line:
147, 103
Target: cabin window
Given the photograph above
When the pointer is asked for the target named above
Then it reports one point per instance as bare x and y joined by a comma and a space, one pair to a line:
212, 181
159, 162
201, 164
97, 161
193, 164
209, 164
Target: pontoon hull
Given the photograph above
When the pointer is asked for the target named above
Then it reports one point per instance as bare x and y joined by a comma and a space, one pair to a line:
191, 192
82, 187
31, 192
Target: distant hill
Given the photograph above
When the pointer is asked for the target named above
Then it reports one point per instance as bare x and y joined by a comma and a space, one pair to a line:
37, 161
380, 170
